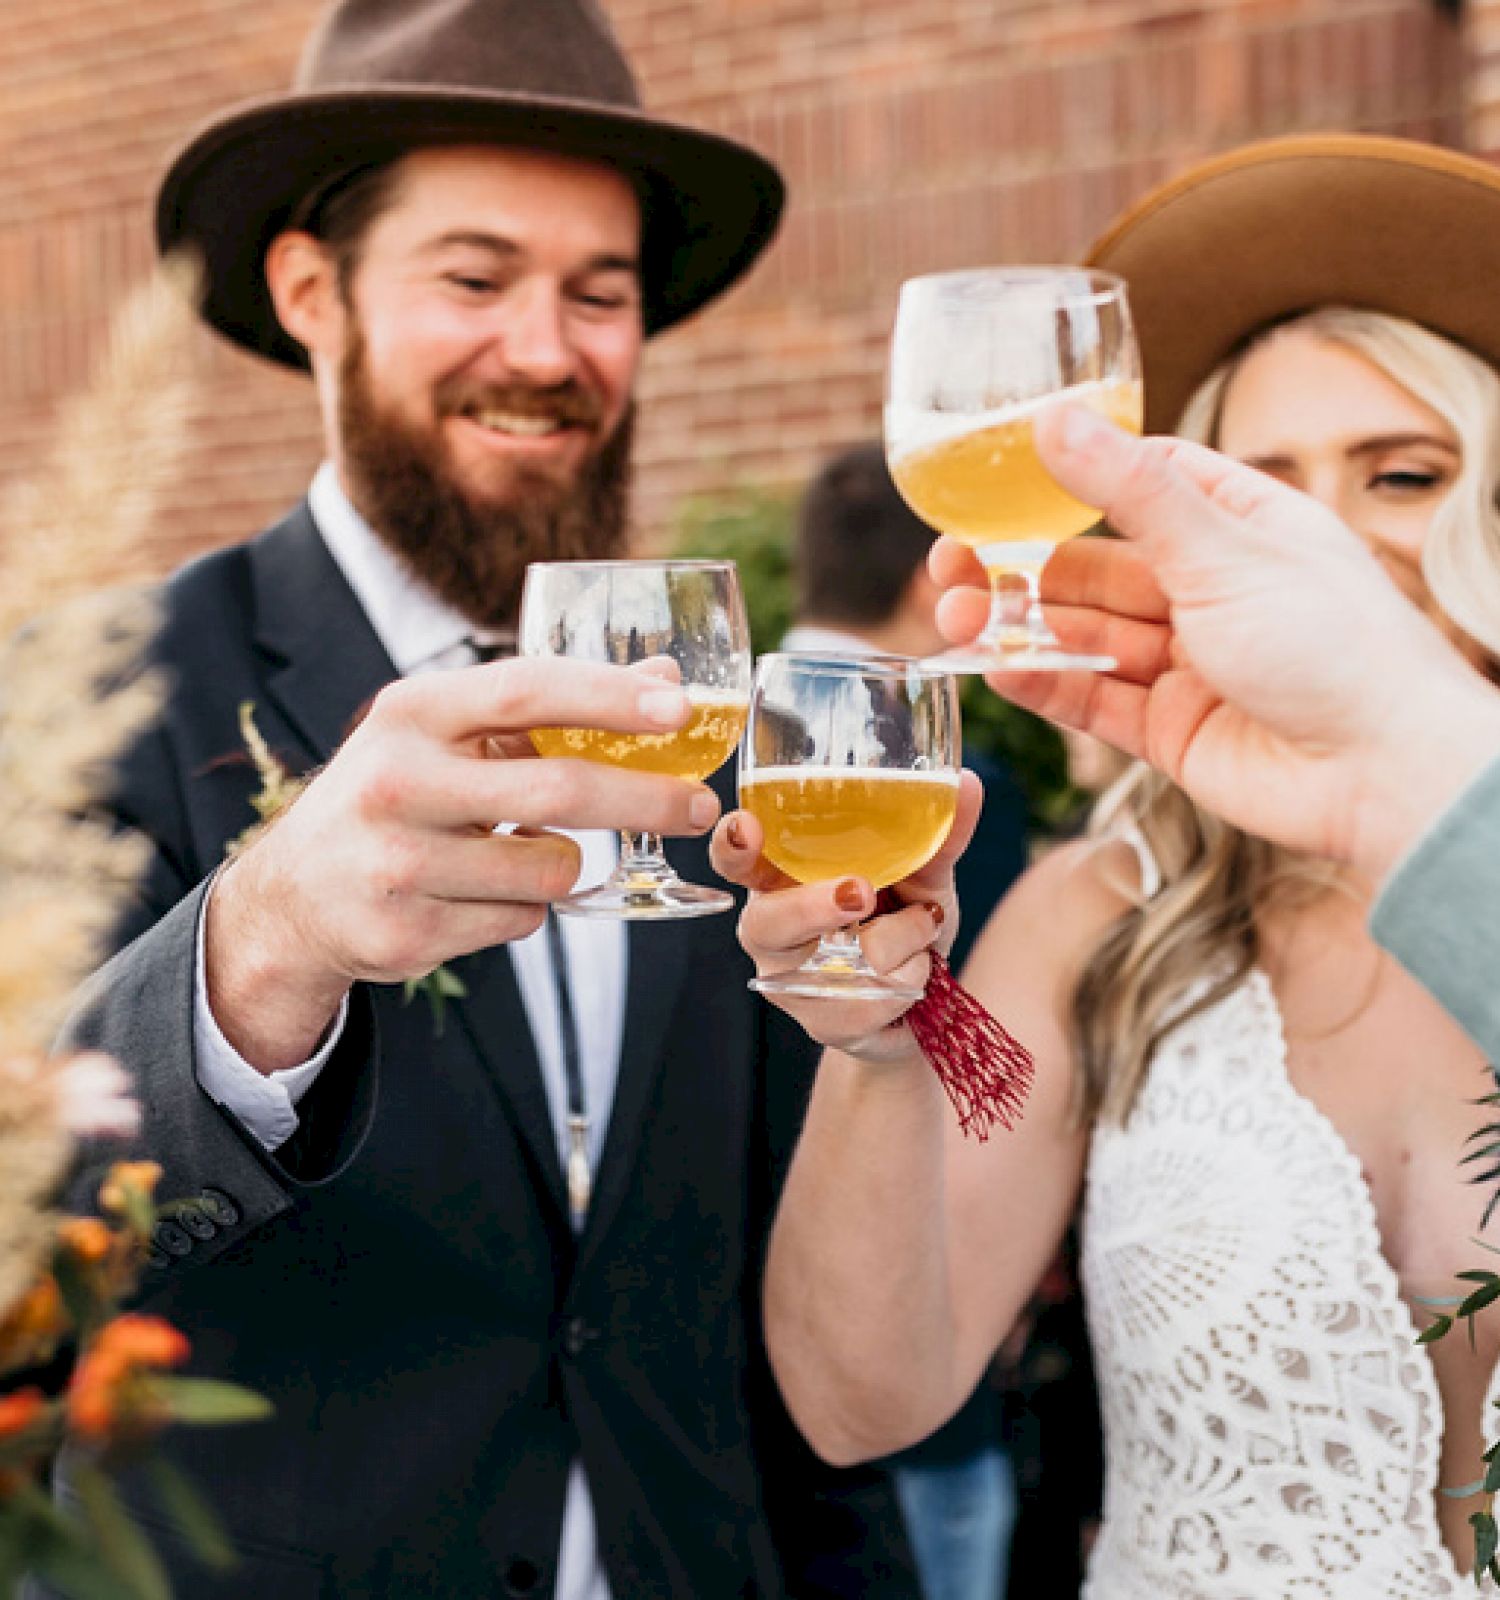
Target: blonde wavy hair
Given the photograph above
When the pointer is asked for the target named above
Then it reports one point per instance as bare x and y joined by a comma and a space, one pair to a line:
1185, 947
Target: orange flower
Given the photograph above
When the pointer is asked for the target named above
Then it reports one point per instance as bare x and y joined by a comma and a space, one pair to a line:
143, 1341
30, 1331
20, 1410
111, 1396
127, 1178
87, 1238
19, 1413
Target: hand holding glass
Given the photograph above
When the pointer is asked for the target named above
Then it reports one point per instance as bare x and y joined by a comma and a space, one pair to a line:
851, 767
628, 611
975, 357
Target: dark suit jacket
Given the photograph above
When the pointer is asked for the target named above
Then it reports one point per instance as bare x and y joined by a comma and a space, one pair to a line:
996, 856
402, 1280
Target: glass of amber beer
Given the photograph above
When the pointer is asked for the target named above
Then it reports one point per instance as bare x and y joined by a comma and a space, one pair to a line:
690, 612
851, 767
975, 358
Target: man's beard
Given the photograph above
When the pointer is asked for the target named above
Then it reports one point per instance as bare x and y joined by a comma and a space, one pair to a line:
474, 556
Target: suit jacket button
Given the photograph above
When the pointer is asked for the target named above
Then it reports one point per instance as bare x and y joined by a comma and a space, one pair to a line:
172, 1239
220, 1207
195, 1219
521, 1576
577, 1336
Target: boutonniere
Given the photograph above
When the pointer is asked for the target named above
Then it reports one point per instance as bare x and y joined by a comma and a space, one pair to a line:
278, 789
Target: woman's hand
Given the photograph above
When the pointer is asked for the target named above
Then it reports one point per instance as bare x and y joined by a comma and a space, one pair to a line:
784, 920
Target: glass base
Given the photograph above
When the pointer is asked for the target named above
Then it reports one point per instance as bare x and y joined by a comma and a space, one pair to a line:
981, 656
646, 899
825, 980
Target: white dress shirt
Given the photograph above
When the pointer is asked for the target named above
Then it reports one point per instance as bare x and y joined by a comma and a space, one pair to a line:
422, 634
817, 639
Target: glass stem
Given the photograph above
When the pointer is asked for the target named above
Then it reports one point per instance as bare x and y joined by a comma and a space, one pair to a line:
641, 858
839, 950
1016, 619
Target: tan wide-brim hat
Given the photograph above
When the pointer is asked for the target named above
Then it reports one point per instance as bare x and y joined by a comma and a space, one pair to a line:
381, 78
1249, 238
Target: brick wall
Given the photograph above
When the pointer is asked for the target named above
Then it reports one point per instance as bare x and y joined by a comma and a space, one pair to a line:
917, 134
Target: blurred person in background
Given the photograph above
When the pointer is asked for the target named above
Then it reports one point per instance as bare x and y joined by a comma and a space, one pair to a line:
863, 586
1261, 1118
485, 1380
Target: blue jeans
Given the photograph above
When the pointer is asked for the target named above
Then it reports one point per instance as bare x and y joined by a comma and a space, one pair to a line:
960, 1515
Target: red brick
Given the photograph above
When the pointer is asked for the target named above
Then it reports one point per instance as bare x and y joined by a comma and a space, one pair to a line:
917, 134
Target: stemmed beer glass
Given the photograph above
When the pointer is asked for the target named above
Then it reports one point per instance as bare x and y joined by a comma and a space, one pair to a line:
627, 611
851, 766
975, 357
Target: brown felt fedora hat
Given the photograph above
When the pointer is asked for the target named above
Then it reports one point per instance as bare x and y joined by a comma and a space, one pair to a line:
380, 78
1249, 238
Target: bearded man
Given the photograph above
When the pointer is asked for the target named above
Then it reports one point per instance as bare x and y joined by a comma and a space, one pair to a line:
461, 221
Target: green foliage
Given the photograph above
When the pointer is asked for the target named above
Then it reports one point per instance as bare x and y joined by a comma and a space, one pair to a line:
1464, 1309
210, 1400
440, 986
753, 527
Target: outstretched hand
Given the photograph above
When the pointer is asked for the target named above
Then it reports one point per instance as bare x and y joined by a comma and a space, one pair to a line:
389, 863
1267, 663
784, 920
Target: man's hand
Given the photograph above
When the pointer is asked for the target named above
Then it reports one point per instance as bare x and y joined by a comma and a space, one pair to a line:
784, 920
1267, 663
388, 864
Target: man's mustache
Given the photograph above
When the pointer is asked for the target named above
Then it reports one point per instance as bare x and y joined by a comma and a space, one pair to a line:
568, 404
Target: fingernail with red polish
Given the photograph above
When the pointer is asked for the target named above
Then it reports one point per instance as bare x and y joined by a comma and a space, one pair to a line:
735, 833
850, 895
938, 915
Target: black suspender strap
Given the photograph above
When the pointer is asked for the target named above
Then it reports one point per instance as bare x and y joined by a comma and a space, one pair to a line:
580, 1179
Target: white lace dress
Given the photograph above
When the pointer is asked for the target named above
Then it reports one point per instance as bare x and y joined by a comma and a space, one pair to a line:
1271, 1431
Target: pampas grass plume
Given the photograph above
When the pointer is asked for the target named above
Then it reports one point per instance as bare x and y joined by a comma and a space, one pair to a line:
72, 699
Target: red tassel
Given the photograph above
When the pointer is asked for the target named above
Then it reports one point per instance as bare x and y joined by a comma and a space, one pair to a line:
985, 1072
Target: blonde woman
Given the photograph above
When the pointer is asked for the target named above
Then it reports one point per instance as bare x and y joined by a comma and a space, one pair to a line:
1259, 1117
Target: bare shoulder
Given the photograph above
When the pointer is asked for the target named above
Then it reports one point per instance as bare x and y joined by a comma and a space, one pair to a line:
1057, 913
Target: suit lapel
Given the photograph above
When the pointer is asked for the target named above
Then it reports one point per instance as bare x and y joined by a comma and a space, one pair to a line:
325, 664
325, 661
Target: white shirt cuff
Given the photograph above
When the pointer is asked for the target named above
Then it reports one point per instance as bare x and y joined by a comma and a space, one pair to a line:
264, 1102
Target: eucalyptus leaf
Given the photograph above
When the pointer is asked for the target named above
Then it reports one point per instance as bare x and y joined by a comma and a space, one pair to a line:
191, 1514
1486, 1539
1480, 1298
125, 1549
78, 1571
210, 1400
37, 1534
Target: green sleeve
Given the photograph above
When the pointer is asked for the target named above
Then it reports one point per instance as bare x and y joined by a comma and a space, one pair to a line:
1439, 911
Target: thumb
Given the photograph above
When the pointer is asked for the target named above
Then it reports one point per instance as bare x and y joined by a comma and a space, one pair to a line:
1164, 494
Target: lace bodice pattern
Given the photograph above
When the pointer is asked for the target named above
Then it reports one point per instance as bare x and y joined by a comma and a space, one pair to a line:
1271, 1430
